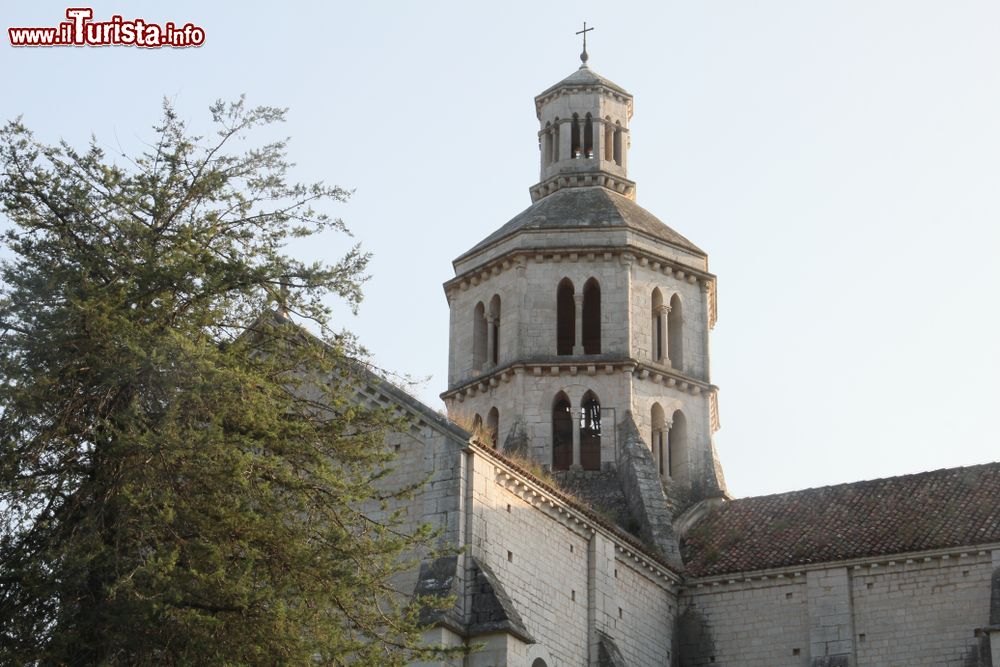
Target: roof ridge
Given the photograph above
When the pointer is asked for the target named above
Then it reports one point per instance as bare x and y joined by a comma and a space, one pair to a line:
873, 480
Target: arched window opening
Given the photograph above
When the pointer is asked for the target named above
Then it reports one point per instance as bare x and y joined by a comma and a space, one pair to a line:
609, 140
618, 144
657, 343
656, 442
555, 140
477, 426
565, 318
590, 432
677, 448
562, 433
588, 137
547, 144
675, 333
493, 353
493, 426
591, 317
479, 335
539, 663
574, 148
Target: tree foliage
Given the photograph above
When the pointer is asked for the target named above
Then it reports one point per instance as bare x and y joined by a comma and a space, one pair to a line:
182, 471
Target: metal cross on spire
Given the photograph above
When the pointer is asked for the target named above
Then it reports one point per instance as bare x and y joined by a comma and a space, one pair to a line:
584, 56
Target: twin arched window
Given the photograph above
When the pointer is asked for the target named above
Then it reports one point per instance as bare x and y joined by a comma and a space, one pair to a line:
567, 427
613, 141
578, 321
582, 137
669, 443
667, 339
486, 335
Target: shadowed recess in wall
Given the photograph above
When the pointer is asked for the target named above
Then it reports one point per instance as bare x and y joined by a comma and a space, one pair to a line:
694, 644
608, 654
492, 608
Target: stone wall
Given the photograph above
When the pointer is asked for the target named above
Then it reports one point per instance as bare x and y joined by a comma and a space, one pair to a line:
643, 620
567, 581
424, 454
921, 613
917, 610
749, 624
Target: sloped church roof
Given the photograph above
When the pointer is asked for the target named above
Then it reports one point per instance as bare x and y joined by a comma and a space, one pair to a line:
896, 515
592, 207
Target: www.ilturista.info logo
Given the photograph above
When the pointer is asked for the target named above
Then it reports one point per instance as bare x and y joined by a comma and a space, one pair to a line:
79, 30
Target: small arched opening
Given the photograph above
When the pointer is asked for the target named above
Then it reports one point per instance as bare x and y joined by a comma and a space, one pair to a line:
657, 421
555, 140
590, 432
609, 139
477, 426
562, 432
657, 343
618, 144
575, 147
675, 333
565, 317
479, 334
677, 448
539, 663
493, 426
493, 335
588, 137
547, 144
592, 317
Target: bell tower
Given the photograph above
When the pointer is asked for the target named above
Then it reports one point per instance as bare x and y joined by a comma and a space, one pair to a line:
580, 328
583, 138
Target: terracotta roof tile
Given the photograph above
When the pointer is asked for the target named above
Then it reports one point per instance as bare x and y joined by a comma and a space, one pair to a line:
932, 510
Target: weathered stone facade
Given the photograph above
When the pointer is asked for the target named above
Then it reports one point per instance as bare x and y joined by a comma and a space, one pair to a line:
642, 352
914, 610
587, 500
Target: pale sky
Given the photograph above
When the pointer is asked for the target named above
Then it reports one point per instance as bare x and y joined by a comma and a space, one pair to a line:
839, 161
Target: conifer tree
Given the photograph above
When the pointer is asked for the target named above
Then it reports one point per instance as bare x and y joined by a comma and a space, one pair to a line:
182, 471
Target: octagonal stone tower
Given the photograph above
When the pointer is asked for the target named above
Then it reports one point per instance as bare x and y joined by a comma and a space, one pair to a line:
582, 323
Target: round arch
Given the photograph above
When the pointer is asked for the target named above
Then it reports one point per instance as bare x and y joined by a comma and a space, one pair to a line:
657, 420
591, 319
565, 317
562, 432
590, 431
675, 332
493, 426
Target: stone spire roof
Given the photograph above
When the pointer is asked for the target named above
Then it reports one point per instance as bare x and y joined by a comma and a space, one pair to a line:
584, 77
586, 208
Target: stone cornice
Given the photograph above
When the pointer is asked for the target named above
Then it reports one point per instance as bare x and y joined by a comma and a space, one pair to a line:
562, 88
645, 258
555, 366
583, 179
416, 414
887, 561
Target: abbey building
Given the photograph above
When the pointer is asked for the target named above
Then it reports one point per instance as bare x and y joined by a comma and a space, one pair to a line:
577, 471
